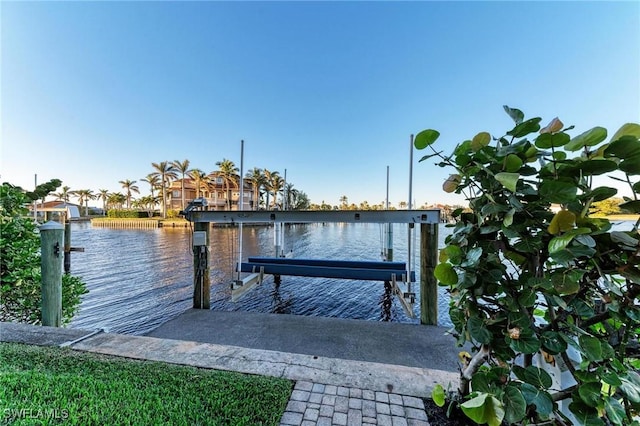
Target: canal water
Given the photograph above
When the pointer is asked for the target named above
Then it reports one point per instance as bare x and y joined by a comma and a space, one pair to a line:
139, 279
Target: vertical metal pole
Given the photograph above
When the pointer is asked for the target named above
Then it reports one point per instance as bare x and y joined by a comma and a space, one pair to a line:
51, 240
389, 249
410, 226
428, 282
201, 283
241, 207
277, 235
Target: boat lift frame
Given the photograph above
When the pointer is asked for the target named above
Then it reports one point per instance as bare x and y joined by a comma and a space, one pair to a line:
427, 219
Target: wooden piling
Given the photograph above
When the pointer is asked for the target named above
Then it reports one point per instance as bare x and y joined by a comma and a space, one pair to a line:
428, 282
201, 283
51, 244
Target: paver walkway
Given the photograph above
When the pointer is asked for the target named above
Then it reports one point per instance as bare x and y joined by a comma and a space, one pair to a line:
325, 405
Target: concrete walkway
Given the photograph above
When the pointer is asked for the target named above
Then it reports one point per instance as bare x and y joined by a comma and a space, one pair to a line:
328, 390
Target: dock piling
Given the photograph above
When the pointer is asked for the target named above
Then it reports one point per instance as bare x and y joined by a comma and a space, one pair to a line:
51, 245
428, 282
201, 283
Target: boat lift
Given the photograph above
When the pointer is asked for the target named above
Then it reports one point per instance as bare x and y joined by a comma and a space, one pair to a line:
394, 272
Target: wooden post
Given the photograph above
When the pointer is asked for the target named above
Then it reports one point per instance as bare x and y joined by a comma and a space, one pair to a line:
51, 240
428, 283
67, 246
201, 283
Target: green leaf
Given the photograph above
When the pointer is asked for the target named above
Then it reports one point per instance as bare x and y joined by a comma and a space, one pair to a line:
624, 239
512, 163
630, 386
534, 376
425, 138
479, 141
566, 283
631, 206
589, 138
548, 140
438, 395
590, 393
631, 165
445, 273
585, 415
508, 180
597, 167
562, 221
542, 400
515, 404
526, 127
508, 218
525, 344
484, 408
553, 343
516, 115
628, 129
558, 191
478, 330
591, 347
625, 147
615, 410
602, 193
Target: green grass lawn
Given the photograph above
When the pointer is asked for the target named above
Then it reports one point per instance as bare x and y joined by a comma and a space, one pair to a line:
50, 385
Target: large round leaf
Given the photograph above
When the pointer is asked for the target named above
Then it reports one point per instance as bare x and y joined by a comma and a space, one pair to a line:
515, 404
625, 147
553, 127
597, 167
425, 138
445, 273
548, 140
516, 115
602, 193
508, 180
589, 138
631, 206
563, 221
628, 129
557, 191
631, 165
512, 163
480, 140
526, 127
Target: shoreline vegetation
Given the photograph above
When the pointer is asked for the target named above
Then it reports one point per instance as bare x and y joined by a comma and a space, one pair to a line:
47, 385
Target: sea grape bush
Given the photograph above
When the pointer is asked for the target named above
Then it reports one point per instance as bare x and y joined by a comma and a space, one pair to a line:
20, 292
546, 295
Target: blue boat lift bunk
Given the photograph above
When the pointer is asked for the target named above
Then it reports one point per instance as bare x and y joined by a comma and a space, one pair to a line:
258, 267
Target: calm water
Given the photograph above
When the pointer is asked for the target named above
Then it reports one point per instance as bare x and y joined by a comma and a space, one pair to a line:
139, 279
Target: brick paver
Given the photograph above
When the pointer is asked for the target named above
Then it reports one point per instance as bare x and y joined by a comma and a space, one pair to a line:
323, 405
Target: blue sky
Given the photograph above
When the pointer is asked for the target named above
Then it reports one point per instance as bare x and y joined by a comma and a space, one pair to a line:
94, 92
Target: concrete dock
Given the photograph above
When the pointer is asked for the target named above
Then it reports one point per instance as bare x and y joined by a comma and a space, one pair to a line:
346, 371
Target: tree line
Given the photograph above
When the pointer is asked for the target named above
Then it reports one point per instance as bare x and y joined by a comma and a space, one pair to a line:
270, 191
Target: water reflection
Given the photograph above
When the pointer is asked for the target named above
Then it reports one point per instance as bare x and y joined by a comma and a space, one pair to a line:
139, 279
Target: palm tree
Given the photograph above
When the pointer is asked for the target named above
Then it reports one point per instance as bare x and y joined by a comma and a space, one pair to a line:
84, 195
181, 167
104, 196
130, 186
269, 176
64, 194
402, 204
344, 202
166, 172
275, 184
200, 180
153, 180
228, 171
116, 200
256, 177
